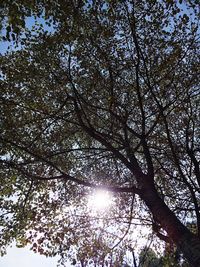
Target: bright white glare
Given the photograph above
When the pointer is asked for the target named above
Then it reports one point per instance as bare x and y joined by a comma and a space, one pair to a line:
100, 200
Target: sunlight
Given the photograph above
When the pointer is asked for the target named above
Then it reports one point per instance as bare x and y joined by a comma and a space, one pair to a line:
100, 200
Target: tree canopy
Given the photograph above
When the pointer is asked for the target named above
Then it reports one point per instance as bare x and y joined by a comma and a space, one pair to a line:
101, 94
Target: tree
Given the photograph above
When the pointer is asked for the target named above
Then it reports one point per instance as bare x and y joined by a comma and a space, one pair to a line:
108, 98
170, 257
148, 257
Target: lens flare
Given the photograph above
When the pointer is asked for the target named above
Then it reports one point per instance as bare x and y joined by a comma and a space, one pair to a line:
100, 200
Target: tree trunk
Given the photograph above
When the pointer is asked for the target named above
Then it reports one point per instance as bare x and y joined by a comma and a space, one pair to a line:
187, 242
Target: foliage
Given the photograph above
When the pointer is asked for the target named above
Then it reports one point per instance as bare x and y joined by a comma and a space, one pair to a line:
109, 98
170, 258
147, 257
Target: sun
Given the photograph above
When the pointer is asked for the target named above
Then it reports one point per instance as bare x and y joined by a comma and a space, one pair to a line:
100, 200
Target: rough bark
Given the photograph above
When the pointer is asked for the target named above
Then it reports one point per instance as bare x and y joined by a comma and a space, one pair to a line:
186, 241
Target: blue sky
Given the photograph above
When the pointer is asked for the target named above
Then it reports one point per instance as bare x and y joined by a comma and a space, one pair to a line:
30, 22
